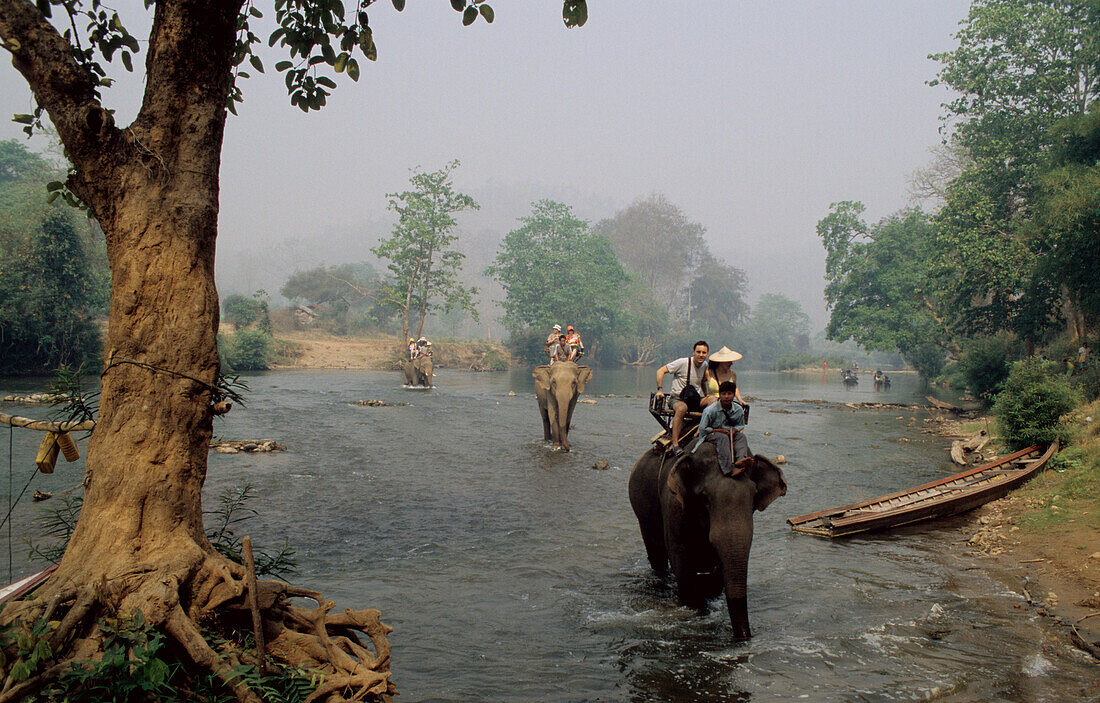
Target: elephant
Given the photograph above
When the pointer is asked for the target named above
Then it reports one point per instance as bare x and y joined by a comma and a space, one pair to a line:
698, 519
557, 387
418, 372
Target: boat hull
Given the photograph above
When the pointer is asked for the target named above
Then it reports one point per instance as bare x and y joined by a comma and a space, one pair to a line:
945, 497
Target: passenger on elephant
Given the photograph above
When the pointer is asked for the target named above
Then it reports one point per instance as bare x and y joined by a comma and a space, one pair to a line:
574, 339
722, 424
720, 369
551, 340
687, 372
562, 351
413, 349
427, 349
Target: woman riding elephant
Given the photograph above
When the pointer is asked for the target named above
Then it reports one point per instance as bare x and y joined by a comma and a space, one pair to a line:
699, 520
556, 388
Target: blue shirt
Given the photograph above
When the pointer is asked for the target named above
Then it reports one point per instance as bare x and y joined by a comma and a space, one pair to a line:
716, 417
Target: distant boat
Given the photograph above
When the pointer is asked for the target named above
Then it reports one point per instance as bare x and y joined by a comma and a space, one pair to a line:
948, 496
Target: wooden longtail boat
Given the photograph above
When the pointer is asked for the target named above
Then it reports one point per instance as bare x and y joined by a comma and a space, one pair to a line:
947, 496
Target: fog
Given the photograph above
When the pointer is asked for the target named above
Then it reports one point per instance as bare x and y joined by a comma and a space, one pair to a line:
752, 118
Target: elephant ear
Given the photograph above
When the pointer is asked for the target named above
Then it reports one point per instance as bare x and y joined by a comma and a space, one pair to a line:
541, 375
584, 375
769, 481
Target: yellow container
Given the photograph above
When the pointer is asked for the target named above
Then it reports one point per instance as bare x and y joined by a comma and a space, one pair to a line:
47, 453
68, 446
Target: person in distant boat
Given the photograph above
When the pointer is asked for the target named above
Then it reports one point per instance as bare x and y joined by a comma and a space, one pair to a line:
719, 369
722, 424
574, 339
551, 340
562, 350
687, 387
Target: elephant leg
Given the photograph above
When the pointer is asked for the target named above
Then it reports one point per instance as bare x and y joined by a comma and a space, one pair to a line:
739, 617
545, 423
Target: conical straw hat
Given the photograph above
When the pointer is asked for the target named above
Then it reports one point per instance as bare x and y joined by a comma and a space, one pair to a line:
725, 354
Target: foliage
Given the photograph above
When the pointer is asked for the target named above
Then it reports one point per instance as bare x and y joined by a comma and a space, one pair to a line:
345, 298
242, 312
73, 399
985, 364
1034, 400
57, 523
805, 359
640, 325
717, 295
423, 270
1087, 379
132, 667
1019, 68
52, 284
223, 523
928, 359
776, 327
878, 279
554, 270
656, 243
247, 350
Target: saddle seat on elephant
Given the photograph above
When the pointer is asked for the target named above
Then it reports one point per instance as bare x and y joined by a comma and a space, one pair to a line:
662, 412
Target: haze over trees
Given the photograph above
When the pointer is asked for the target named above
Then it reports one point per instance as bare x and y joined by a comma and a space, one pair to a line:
139, 544
54, 280
1012, 247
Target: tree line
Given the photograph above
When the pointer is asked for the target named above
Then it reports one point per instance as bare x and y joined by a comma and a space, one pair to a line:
1002, 263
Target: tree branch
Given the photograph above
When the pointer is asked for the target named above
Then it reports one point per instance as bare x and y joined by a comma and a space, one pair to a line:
61, 85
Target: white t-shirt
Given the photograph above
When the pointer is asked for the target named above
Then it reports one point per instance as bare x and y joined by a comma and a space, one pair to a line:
679, 371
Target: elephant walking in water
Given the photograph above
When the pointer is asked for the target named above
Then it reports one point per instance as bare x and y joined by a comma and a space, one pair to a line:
557, 387
700, 520
418, 372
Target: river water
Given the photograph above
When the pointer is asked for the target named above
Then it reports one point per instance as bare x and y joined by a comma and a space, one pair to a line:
514, 573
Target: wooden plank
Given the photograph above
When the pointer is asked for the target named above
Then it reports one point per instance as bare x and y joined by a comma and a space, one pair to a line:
45, 425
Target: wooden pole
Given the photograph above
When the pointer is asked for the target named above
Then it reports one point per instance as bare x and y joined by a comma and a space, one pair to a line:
254, 605
45, 425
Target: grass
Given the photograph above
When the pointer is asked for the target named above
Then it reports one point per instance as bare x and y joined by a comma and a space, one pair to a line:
1064, 497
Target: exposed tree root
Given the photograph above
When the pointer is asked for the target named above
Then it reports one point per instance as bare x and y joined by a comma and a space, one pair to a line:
314, 639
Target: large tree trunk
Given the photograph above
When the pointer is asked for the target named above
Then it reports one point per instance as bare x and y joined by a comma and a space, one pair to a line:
139, 544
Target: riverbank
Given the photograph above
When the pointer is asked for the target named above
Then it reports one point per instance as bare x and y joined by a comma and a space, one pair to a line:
1044, 538
317, 350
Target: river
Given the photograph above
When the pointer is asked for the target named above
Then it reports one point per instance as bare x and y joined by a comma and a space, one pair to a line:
514, 573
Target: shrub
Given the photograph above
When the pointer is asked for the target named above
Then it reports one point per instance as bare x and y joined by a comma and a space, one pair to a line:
247, 350
243, 312
985, 364
928, 359
1087, 380
1032, 404
529, 346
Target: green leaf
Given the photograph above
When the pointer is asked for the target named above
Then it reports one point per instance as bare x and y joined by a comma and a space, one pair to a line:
127, 62
353, 69
283, 65
487, 13
256, 63
326, 81
399, 5
371, 51
254, 12
469, 16
23, 119
458, 5
52, 197
340, 62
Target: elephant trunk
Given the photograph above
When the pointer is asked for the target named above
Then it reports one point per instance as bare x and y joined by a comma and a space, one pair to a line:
562, 399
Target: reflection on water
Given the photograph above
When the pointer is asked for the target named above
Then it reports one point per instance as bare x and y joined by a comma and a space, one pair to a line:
514, 573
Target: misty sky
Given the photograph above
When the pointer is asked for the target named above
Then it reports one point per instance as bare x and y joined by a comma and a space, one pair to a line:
751, 117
